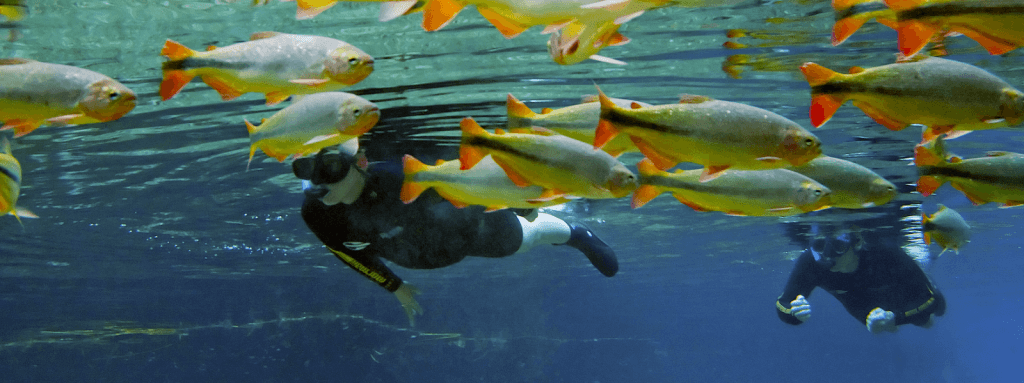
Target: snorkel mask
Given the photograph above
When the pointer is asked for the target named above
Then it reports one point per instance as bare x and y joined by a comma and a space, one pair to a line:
322, 170
826, 245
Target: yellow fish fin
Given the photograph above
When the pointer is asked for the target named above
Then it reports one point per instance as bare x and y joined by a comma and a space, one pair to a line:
175, 51
508, 28
390, 10
927, 238
263, 35
1009, 204
227, 92
410, 191
172, 83
605, 132
546, 110
643, 194
491, 209
856, 69
438, 13
693, 99
547, 195
692, 205
555, 27
844, 28
927, 185
913, 35
994, 45
974, 198
310, 82
275, 97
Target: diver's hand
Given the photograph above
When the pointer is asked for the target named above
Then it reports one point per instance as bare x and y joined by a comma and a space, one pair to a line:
800, 308
406, 295
880, 320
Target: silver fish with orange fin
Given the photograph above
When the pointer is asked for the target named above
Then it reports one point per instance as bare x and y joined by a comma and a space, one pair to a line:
33, 93
998, 178
947, 228
944, 95
998, 25
716, 134
853, 186
561, 165
775, 192
275, 64
485, 184
312, 123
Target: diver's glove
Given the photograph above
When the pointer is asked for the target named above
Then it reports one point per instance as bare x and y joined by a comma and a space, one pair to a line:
406, 295
880, 320
800, 308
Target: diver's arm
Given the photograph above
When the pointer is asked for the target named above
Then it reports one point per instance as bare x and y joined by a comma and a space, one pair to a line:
913, 277
801, 282
373, 268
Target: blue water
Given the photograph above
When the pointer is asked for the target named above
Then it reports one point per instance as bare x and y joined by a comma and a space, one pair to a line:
158, 257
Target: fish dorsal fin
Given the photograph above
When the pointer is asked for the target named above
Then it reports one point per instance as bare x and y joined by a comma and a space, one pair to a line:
856, 70
693, 99
263, 35
618, 40
439, 162
635, 105
955, 160
499, 131
211, 47
546, 110
15, 61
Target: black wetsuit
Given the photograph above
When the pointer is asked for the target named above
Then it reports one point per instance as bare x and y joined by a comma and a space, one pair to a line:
428, 233
889, 279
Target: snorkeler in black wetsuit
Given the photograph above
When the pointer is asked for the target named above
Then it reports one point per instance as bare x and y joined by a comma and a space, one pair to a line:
877, 283
356, 212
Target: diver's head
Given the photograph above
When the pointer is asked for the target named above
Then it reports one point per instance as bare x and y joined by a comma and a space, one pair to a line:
331, 177
831, 244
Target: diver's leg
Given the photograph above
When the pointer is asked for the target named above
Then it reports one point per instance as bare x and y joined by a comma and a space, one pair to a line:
549, 230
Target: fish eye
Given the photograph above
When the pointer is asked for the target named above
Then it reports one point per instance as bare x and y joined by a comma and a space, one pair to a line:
114, 95
817, 192
809, 142
357, 112
353, 61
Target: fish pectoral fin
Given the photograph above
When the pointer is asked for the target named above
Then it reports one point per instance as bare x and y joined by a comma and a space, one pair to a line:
513, 175
611, 5
607, 60
274, 98
227, 92
957, 134
712, 172
508, 28
880, 117
769, 159
310, 82
21, 212
624, 19
555, 27
547, 195
321, 138
65, 119
390, 10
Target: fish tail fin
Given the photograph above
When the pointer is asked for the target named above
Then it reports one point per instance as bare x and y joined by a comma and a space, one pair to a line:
912, 36
606, 131
646, 168
172, 83
252, 146
175, 51
411, 189
927, 185
823, 106
305, 10
519, 115
643, 194
438, 13
470, 155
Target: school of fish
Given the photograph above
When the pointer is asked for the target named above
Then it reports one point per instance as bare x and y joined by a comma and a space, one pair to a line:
753, 162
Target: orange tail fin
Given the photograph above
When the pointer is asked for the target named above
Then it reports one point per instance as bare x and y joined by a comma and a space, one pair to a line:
816, 74
470, 155
844, 28
173, 81
174, 51
411, 189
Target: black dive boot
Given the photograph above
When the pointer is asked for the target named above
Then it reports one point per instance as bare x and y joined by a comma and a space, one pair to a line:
598, 252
